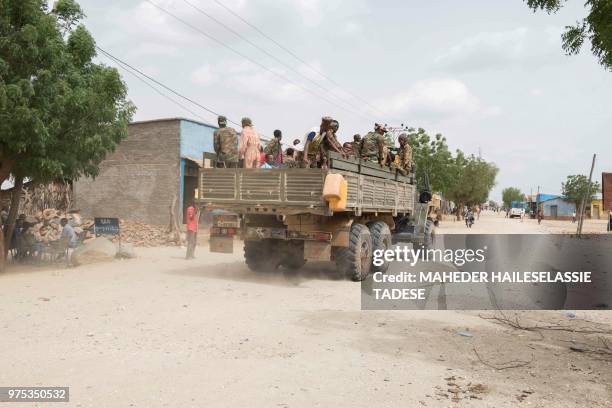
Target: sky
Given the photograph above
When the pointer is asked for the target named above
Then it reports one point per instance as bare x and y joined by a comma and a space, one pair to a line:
490, 76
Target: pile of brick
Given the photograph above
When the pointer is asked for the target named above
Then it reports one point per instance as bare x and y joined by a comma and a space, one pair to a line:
141, 234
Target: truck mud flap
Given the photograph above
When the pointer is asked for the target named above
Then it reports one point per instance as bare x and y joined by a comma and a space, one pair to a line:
317, 251
224, 245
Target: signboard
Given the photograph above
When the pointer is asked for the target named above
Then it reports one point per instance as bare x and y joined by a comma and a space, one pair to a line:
106, 226
606, 188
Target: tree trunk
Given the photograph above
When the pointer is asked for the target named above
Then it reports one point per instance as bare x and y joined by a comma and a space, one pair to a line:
15, 199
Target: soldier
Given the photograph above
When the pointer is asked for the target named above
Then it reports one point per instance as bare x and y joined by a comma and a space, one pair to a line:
275, 148
372, 145
356, 145
329, 142
405, 155
225, 143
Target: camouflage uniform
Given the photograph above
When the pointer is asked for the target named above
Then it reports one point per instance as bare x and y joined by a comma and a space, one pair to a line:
372, 146
273, 147
226, 147
405, 159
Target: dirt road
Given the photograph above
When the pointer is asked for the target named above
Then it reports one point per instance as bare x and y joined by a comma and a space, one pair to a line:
495, 223
159, 331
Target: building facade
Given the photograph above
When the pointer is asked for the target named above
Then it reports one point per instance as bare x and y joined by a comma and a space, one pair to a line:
558, 209
157, 164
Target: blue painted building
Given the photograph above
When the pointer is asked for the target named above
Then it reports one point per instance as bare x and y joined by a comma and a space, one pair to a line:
558, 209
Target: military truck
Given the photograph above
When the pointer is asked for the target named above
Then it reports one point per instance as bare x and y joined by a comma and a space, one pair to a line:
288, 216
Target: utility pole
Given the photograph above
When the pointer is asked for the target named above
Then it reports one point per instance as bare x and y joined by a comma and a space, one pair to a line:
584, 199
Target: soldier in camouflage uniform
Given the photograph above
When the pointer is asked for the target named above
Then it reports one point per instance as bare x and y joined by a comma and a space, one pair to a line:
329, 142
225, 143
405, 155
275, 148
372, 145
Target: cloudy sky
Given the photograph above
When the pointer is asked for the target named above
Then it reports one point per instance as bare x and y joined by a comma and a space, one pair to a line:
490, 76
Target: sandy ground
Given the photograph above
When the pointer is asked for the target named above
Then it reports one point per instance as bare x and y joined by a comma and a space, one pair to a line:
159, 331
496, 223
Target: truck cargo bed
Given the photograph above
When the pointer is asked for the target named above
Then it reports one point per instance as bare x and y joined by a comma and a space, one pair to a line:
298, 191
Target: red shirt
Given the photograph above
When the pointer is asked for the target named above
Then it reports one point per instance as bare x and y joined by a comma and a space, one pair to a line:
192, 219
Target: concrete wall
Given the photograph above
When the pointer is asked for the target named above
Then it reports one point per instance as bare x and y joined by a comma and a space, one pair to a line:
139, 180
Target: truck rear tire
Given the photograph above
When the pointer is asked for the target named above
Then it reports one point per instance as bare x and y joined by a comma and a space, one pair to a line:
381, 240
356, 259
260, 256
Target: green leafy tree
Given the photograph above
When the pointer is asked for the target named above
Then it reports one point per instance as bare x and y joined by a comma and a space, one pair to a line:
475, 178
59, 112
577, 187
510, 194
432, 155
596, 27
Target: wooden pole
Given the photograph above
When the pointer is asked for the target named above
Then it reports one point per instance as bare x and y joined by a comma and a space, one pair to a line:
585, 198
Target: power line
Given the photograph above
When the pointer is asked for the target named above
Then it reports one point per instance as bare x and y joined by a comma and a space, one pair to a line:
135, 75
288, 51
263, 50
253, 61
161, 84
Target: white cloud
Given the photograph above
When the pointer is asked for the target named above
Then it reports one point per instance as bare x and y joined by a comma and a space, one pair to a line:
536, 92
203, 75
351, 28
502, 49
437, 98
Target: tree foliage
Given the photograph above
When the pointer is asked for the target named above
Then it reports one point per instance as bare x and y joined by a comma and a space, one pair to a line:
475, 178
576, 187
431, 155
464, 180
59, 112
595, 27
510, 194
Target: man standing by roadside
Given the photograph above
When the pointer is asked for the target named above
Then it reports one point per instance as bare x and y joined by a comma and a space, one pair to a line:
193, 215
225, 143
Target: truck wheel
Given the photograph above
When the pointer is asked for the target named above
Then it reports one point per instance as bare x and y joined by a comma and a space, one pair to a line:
381, 240
260, 257
356, 259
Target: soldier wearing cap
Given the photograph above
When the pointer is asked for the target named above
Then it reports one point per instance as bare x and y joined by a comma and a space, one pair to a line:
225, 144
330, 142
373, 144
405, 155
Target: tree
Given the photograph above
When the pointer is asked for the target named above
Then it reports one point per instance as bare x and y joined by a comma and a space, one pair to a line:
432, 156
595, 27
510, 194
475, 178
576, 188
59, 112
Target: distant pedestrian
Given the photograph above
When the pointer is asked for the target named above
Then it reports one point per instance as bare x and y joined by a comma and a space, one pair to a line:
193, 214
574, 217
249, 144
540, 217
